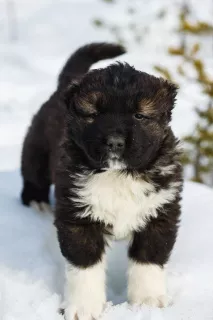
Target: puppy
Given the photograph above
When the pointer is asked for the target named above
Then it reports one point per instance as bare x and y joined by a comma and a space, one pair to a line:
104, 139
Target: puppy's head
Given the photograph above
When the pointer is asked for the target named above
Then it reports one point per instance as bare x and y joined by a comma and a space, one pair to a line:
119, 116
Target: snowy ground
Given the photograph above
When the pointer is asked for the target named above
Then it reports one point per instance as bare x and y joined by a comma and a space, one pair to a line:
31, 270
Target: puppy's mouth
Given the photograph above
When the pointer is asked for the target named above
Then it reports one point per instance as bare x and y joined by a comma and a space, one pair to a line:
115, 161
114, 156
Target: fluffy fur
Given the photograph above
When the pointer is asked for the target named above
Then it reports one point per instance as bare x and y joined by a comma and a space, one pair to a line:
104, 138
122, 202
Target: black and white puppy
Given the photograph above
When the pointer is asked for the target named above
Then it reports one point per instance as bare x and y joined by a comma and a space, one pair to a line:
108, 146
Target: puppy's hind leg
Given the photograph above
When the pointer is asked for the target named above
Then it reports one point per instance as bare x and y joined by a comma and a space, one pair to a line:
35, 172
36, 197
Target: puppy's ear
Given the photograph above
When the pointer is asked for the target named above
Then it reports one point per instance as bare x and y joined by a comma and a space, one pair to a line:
86, 102
82, 101
69, 92
161, 102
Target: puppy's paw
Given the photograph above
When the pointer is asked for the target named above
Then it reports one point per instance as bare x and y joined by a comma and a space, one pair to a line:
41, 206
156, 302
84, 312
85, 295
147, 285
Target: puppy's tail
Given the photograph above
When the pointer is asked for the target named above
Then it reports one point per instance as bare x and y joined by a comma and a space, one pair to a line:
82, 59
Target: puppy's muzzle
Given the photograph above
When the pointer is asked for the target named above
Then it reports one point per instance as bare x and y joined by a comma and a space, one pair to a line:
115, 144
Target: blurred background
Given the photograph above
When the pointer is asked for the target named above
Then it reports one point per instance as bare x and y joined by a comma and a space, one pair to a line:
169, 38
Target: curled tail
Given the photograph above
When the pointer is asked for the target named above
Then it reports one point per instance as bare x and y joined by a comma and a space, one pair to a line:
82, 59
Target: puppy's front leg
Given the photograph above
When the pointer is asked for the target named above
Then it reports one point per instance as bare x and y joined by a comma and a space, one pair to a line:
148, 254
83, 248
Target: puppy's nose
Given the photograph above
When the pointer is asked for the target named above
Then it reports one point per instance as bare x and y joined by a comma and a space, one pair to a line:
115, 143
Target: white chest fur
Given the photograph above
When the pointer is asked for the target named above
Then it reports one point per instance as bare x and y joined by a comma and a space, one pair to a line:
118, 199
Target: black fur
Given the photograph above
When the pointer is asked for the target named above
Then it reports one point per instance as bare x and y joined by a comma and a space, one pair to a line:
82, 243
38, 194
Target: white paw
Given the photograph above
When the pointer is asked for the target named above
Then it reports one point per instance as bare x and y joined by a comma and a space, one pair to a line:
41, 206
84, 312
85, 292
156, 302
147, 285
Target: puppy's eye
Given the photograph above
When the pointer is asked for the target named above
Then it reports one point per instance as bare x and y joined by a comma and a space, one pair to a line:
90, 117
93, 115
140, 116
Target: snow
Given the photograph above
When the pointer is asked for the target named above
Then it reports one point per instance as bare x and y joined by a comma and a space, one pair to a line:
32, 269
31, 266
